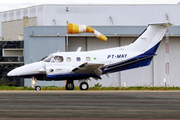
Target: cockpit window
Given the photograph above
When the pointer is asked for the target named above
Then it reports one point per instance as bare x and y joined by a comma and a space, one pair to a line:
58, 59
47, 58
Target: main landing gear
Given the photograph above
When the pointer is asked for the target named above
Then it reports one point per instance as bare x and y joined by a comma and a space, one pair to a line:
69, 86
82, 86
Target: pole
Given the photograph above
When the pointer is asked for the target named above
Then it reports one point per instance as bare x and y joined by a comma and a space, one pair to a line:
67, 38
167, 59
167, 55
67, 31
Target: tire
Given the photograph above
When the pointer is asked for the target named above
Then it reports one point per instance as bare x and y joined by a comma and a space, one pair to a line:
69, 86
37, 88
84, 86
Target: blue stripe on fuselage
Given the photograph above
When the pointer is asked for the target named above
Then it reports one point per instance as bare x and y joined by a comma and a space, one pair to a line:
139, 61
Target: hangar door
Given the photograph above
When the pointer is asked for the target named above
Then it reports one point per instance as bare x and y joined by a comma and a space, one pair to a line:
75, 42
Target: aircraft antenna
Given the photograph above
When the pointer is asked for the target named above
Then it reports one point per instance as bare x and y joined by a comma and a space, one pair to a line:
111, 20
54, 22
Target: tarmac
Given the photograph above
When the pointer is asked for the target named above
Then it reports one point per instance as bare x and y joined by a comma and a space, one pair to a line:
89, 105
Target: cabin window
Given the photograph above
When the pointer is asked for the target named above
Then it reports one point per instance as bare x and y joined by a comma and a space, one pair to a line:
68, 59
58, 59
88, 59
78, 59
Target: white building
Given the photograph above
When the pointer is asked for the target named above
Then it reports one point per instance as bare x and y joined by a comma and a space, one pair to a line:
120, 23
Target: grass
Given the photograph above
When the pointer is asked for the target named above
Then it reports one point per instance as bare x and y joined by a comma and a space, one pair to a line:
3, 87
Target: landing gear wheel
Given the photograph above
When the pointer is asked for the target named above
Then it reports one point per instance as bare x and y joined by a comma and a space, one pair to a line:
37, 88
69, 86
84, 86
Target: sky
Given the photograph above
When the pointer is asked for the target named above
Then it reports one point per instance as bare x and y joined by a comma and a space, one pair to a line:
16, 4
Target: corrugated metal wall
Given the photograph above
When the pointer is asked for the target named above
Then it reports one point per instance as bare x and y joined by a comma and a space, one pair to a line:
103, 15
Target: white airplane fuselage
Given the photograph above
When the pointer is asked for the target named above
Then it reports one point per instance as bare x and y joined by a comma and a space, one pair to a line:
70, 61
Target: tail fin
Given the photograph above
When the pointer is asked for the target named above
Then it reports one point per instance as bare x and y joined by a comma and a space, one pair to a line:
150, 38
146, 45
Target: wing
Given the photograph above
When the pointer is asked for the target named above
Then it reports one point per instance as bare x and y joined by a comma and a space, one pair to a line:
89, 68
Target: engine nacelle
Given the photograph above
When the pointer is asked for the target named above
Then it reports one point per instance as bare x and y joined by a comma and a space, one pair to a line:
57, 70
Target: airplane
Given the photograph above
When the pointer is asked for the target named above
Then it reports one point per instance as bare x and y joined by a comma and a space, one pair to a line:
79, 65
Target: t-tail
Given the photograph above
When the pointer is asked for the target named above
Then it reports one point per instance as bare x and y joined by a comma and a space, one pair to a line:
145, 46
149, 40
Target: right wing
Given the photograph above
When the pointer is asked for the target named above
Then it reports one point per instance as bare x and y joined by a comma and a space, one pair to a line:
92, 68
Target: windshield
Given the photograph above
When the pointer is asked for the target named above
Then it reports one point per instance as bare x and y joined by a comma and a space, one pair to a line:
47, 58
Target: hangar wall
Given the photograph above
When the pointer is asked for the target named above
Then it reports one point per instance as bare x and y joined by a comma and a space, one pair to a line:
111, 15
174, 61
96, 15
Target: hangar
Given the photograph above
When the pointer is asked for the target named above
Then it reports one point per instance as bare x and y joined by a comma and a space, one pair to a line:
29, 34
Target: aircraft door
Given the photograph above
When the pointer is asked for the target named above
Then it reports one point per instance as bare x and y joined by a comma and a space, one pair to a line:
43, 69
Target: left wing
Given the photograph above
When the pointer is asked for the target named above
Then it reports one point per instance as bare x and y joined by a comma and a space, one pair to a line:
89, 68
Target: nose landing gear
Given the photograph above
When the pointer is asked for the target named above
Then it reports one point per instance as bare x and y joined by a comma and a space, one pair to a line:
37, 88
33, 82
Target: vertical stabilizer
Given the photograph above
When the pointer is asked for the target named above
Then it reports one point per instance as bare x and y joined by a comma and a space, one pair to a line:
151, 37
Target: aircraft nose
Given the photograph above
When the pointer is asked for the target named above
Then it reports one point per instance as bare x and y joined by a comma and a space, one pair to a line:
26, 70
12, 73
